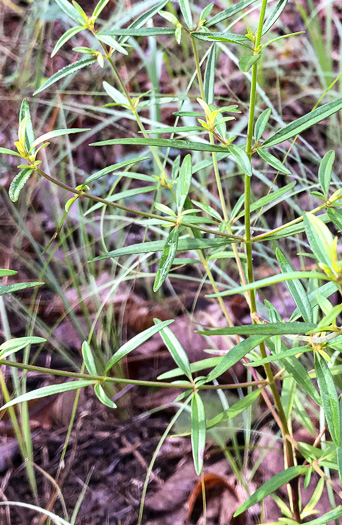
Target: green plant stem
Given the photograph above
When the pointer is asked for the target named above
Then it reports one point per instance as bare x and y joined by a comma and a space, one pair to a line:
107, 379
289, 451
94, 198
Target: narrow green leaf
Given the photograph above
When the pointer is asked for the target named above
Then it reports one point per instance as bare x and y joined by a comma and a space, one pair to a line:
18, 183
198, 431
49, 391
102, 396
261, 123
184, 245
184, 182
167, 258
319, 237
64, 38
99, 8
263, 329
336, 217
6, 273
327, 518
235, 409
14, 345
29, 133
235, 355
88, 359
329, 398
273, 198
208, 209
126, 194
271, 485
273, 161
136, 32
5, 151
297, 290
227, 13
198, 366
186, 12
175, 129
57, 133
70, 10
176, 350
111, 42
144, 18
272, 280
274, 40
298, 126
209, 76
273, 17
279, 356
242, 159
232, 38
167, 143
325, 171
206, 11
66, 71
225, 255
133, 343
247, 61
330, 317
110, 169
11, 288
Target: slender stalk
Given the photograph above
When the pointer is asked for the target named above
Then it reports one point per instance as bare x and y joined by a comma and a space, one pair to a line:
289, 451
106, 379
95, 198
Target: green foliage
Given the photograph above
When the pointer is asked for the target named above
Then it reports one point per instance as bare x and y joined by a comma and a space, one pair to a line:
199, 197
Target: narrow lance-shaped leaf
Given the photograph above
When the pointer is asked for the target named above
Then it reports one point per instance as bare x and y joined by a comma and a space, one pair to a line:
136, 32
49, 391
156, 246
167, 143
209, 77
296, 289
6, 151
66, 71
231, 38
111, 42
336, 217
114, 167
227, 13
7, 273
186, 12
14, 345
88, 358
325, 170
145, 17
328, 517
64, 38
319, 237
116, 95
70, 10
11, 288
198, 431
18, 183
247, 61
270, 486
298, 126
279, 356
133, 343
29, 133
167, 258
273, 17
266, 329
102, 396
329, 398
273, 198
184, 182
235, 409
99, 8
242, 159
273, 161
176, 350
261, 123
235, 355
57, 133
272, 280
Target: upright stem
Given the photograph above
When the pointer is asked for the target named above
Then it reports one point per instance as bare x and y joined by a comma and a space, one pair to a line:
290, 454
